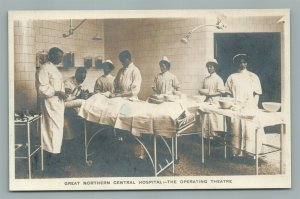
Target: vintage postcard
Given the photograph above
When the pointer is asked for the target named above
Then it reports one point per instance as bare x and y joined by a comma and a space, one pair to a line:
149, 99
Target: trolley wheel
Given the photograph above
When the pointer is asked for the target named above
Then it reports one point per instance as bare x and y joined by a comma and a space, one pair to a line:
89, 163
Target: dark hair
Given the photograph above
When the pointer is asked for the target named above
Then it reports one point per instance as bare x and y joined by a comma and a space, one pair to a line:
111, 66
125, 55
54, 55
80, 70
166, 63
238, 58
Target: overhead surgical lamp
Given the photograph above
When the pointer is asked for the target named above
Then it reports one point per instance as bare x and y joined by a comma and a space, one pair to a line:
218, 25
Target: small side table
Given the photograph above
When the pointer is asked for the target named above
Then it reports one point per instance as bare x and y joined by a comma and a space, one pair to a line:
27, 121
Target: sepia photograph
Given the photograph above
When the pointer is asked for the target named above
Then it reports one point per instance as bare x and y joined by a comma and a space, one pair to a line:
149, 99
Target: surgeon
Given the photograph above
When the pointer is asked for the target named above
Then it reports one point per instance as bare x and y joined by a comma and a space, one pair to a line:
245, 87
52, 94
127, 84
128, 80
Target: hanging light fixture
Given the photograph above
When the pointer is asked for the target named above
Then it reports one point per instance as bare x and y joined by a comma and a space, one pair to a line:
218, 25
97, 37
72, 29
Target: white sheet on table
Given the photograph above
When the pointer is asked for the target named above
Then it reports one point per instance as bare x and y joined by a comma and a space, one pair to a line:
136, 117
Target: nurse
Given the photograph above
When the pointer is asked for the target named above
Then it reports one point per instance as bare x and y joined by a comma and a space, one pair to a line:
212, 88
51, 91
245, 88
106, 81
165, 82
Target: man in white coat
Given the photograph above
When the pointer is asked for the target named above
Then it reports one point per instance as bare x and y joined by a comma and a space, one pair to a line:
51, 91
128, 80
127, 84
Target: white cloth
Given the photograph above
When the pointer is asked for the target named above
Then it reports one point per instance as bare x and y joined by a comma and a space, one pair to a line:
49, 80
165, 83
136, 117
128, 79
213, 122
243, 85
104, 84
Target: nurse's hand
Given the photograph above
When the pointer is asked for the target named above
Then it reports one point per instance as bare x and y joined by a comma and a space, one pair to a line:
61, 95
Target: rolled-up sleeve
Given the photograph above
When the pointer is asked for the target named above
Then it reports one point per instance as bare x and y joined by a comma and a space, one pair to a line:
44, 88
136, 82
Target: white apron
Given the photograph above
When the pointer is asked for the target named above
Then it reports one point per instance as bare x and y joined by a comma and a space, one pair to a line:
52, 108
211, 123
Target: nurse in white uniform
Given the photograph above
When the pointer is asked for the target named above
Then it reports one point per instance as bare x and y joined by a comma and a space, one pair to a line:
245, 87
214, 87
51, 90
165, 82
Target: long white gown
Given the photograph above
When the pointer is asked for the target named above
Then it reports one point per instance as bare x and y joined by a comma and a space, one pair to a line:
242, 85
49, 80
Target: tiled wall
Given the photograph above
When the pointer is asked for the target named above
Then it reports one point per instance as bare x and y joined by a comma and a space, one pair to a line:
31, 37
150, 39
147, 39
24, 58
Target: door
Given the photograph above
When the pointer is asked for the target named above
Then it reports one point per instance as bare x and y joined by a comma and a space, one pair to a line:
265, 59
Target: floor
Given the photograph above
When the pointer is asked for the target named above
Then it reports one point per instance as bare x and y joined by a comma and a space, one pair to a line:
113, 157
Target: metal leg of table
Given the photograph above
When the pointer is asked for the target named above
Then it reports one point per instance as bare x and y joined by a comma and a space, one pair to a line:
176, 146
28, 150
225, 137
85, 143
209, 134
208, 146
225, 149
282, 130
202, 147
155, 158
173, 159
256, 152
42, 147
